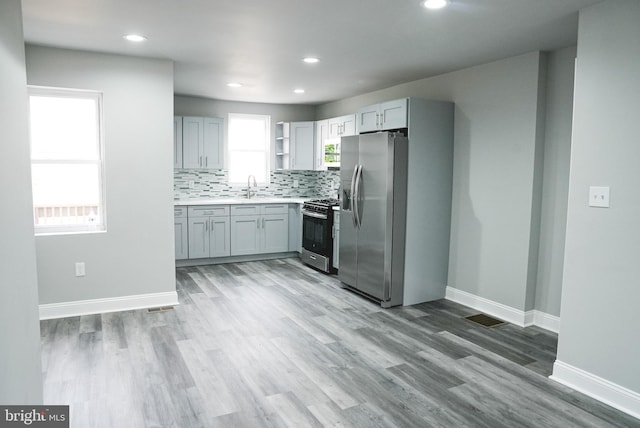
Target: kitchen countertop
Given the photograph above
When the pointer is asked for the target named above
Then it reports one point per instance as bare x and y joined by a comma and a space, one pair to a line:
240, 200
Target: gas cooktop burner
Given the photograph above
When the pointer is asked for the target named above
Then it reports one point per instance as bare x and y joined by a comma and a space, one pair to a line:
328, 202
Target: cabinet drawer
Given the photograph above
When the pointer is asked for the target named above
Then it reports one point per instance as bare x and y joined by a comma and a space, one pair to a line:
180, 212
245, 210
275, 209
209, 210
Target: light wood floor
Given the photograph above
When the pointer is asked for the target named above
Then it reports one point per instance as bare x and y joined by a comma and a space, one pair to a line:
277, 344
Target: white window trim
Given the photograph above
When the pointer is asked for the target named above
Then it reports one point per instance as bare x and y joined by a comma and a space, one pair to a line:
267, 166
43, 230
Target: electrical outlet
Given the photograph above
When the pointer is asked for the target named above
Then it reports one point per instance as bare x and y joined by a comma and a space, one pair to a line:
80, 270
599, 196
295, 183
192, 184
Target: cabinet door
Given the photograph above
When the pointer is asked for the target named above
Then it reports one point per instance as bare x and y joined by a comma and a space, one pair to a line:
335, 127
322, 134
336, 238
301, 145
213, 143
295, 228
348, 125
245, 235
394, 114
342, 126
275, 233
181, 238
177, 142
198, 237
220, 237
192, 137
367, 119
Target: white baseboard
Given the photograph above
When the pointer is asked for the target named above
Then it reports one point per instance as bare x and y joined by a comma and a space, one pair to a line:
614, 395
110, 304
546, 321
504, 312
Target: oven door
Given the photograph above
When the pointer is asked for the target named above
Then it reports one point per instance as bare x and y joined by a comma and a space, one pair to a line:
316, 233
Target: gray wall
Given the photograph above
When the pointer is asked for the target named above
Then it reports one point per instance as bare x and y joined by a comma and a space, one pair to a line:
135, 255
497, 132
600, 296
557, 150
195, 106
20, 366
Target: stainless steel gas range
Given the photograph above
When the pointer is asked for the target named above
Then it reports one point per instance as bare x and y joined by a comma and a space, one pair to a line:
317, 233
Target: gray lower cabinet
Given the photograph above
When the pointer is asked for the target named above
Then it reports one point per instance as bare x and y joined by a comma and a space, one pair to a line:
259, 229
209, 232
275, 233
295, 228
336, 238
245, 232
181, 237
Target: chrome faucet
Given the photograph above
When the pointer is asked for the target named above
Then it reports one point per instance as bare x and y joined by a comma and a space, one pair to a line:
255, 184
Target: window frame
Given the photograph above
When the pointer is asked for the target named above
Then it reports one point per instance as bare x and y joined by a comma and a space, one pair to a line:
97, 96
267, 146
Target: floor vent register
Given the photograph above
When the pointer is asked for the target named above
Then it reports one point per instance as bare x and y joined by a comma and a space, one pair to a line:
161, 309
485, 320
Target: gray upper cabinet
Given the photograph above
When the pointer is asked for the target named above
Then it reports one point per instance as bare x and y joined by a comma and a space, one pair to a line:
383, 116
302, 145
192, 141
213, 147
202, 142
322, 134
342, 126
177, 142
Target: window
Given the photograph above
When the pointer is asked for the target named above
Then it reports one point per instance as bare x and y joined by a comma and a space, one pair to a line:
249, 147
66, 160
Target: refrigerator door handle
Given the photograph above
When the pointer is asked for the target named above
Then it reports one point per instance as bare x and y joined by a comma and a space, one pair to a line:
353, 194
356, 207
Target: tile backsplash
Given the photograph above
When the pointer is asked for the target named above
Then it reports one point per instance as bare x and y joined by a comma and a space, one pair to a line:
213, 184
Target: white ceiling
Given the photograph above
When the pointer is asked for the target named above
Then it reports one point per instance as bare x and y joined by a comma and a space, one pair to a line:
363, 45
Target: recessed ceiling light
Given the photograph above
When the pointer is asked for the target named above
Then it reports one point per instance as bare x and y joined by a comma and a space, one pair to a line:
234, 85
135, 38
311, 60
434, 4
299, 91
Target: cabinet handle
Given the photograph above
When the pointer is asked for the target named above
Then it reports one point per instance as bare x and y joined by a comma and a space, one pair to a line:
206, 226
258, 224
200, 163
263, 223
206, 161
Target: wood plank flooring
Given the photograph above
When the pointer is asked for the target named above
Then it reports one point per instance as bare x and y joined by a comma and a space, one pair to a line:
277, 344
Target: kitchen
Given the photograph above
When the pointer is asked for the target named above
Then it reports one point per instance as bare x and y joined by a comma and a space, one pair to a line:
483, 241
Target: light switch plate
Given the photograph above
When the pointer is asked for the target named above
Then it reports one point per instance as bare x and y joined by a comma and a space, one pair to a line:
295, 183
599, 196
80, 269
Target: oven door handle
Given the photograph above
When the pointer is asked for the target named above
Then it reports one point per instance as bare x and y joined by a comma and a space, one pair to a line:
314, 214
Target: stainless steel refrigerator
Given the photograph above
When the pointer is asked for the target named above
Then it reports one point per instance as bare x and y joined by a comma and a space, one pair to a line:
373, 175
